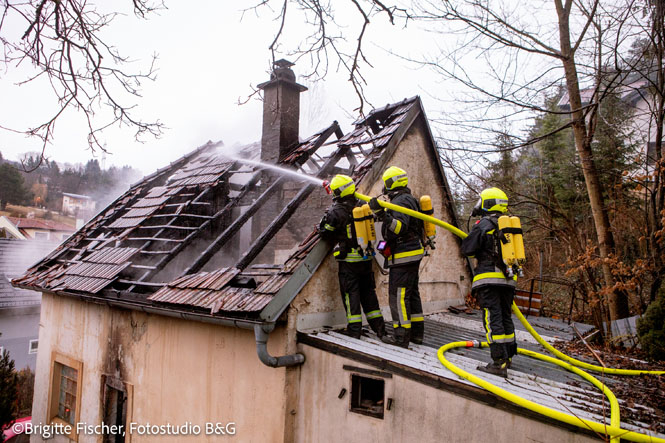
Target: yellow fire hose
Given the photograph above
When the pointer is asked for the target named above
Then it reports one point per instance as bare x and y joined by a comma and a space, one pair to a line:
614, 430
415, 214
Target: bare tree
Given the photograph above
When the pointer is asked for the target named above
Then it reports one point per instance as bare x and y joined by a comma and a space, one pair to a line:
63, 41
334, 38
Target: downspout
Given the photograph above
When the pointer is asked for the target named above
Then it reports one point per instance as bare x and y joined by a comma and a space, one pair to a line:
261, 332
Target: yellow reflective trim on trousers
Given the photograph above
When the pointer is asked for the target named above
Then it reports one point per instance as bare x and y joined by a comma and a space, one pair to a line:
417, 319
488, 328
354, 318
373, 314
504, 338
348, 305
404, 325
329, 227
402, 302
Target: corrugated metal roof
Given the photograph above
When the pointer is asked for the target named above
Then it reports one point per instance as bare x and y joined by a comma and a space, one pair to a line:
535, 380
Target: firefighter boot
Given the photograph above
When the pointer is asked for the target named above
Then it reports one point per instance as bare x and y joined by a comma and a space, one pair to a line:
417, 332
497, 367
352, 330
511, 348
378, 326
400, 339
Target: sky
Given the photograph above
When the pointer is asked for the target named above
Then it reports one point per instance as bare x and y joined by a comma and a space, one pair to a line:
209, 57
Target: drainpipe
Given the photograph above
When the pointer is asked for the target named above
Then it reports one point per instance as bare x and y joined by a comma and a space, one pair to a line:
261, 332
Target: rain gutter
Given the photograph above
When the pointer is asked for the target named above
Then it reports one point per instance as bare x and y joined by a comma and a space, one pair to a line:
262, 329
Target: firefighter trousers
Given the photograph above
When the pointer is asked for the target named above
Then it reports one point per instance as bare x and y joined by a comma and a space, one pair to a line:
356, 283
496, 302
406, 308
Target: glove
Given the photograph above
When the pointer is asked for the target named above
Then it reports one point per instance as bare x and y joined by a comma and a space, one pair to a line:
374, 205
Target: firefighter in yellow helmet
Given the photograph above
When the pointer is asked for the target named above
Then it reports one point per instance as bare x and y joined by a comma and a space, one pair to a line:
404, 251
356, 277
492, 286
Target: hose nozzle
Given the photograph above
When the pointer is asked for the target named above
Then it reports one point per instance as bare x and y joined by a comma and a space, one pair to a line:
326, 186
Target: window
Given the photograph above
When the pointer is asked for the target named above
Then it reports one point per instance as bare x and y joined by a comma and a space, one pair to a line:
41, 235
65, 394
367, 395
116, 405
32, 348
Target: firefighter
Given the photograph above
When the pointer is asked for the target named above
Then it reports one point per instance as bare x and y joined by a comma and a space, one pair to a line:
356, 278
492, 286
404, 251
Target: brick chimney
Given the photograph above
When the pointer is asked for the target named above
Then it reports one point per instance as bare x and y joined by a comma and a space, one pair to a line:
281, 112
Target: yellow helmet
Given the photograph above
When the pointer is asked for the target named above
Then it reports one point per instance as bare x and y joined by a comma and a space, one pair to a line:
394, 178
342, 185
491, 200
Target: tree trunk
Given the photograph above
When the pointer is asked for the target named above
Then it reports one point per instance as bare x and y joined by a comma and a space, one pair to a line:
618, 301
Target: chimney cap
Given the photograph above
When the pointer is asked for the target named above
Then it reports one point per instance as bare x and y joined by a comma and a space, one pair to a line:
282, 73
283, 63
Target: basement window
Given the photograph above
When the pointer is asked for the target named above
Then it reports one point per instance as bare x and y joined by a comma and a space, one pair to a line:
367, 395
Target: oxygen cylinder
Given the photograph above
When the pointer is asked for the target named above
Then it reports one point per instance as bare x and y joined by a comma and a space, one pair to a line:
369, 223
518, 240
426, 208
508, 248
359, 225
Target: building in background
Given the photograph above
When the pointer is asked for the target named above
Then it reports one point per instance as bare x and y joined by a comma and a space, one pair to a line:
35, 229
19, 309
80, 206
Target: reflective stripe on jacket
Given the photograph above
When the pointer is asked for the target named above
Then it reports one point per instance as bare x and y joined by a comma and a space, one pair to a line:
402, 232
481, 245
337, 226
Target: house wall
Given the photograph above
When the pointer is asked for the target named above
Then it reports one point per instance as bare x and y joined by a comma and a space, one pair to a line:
419, 412
47, 235
444, 276
180, 371
18, 327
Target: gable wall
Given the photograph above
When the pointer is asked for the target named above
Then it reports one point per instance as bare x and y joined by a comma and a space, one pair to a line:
181, 371
319, 303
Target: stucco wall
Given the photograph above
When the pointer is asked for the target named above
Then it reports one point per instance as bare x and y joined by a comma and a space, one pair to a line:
419, 413
444, 278
180, 371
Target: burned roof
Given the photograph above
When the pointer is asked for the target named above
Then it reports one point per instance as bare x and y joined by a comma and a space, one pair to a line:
216, 234
641, 410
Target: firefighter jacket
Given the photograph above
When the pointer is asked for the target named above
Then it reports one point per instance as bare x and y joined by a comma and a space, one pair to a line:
402, 232
337, 226
483, 243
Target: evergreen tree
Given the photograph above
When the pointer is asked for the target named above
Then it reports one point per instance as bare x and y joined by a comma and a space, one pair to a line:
12, 188
8, 389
